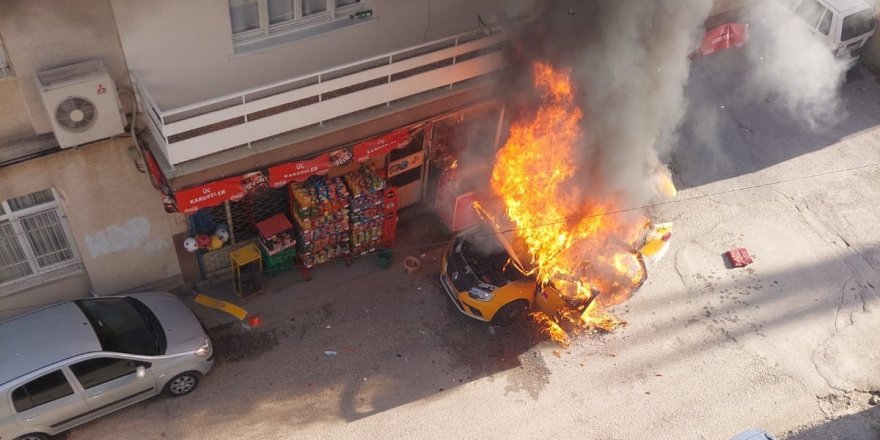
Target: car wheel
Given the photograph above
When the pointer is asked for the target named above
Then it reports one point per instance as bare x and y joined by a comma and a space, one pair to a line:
33, 436
182, 384
510, 312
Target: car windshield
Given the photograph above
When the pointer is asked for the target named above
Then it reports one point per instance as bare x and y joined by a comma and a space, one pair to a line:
124, 325
488, 259
857, 24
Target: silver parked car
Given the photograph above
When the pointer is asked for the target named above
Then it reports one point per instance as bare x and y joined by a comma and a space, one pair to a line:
73, 362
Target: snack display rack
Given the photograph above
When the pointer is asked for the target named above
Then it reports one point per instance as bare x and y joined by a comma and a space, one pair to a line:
341, 217
366, 214
320, 206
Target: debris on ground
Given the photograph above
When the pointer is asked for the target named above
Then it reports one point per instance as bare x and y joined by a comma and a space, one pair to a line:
875, 399
330, 353
255, 321
223, 306
411, 264
739, 257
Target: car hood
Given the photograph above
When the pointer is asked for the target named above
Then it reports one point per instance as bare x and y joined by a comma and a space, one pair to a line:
179, 322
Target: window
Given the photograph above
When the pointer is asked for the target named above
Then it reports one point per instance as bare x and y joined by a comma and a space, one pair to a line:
124, 325
94, 372
810, 11
5, 67
857, 24
42, 390
34, 237
256, 20
825, 24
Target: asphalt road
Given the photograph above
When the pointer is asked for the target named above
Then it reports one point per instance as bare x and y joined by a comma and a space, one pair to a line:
789, 344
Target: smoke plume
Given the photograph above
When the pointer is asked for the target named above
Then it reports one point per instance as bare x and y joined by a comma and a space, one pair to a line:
791, 65
632, 60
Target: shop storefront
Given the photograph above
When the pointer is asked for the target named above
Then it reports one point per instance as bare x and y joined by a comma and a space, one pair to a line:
340, 204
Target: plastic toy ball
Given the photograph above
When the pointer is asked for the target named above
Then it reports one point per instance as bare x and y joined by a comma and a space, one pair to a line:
216, 243
190, 244
204, 241
222, 233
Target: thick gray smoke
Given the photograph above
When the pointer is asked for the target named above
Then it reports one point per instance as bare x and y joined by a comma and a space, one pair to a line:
792, 65
631, 62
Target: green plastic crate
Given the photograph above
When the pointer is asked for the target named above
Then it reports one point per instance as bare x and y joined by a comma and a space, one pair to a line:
281, 261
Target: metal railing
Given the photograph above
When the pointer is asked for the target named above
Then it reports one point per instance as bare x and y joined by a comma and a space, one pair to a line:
207, 127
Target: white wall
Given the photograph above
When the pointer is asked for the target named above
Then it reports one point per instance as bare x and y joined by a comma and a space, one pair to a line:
43, 34
183, 50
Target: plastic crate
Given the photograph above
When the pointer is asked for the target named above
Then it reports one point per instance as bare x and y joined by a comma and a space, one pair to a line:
281, 261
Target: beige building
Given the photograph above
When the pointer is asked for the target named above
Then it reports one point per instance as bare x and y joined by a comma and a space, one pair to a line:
225, 89
77, 219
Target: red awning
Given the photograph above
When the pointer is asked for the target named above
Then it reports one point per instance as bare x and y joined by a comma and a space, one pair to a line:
281, 175
190, 200
381, 146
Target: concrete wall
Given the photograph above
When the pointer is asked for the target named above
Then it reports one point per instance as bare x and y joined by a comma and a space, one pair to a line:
66, 288
183, 50
116, 216
43, 34
15, 120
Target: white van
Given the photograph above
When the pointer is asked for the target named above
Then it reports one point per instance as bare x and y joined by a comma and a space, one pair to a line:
844, 25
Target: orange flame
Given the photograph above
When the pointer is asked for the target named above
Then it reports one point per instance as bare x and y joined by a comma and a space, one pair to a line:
551, 329
572, 243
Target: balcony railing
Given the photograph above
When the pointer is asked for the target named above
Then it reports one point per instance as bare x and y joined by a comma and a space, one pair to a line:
207, 127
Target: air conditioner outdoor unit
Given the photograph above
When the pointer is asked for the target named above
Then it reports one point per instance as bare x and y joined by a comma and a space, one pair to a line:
82, 103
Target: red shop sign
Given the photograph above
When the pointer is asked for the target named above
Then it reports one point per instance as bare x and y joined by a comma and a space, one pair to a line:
380, 146
281, 175
190, 200
724, 37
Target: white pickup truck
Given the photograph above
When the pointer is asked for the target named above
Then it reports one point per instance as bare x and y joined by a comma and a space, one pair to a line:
844, 25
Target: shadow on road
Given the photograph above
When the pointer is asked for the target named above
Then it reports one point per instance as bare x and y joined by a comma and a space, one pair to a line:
729, 132
863, 425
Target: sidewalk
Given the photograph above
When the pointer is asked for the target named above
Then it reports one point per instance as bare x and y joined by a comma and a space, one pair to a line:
420, 233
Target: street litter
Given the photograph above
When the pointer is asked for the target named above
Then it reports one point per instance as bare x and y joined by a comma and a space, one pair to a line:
223, 306
330, 353
738, 257
255, 321
411, 264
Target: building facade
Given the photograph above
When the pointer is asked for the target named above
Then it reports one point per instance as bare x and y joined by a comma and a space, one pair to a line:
72, 220
224, 90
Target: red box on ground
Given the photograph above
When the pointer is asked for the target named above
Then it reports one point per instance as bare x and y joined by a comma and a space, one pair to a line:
739, 257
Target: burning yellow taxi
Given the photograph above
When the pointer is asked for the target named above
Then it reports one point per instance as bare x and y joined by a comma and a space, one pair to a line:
485, 279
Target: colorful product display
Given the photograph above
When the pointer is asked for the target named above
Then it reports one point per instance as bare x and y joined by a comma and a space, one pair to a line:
320, 208
339, 216
367, 216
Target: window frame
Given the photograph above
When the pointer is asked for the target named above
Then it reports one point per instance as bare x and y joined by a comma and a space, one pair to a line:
95, 380
6, 70
823, 22
30, 398
15, 219
267, 30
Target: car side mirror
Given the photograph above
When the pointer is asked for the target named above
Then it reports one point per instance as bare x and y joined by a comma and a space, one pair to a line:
141, 372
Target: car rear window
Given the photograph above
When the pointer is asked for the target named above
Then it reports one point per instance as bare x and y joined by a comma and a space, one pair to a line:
857, 24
